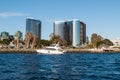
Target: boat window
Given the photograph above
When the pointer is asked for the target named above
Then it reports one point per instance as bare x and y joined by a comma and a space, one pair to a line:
60, 50
52, 45
50, 49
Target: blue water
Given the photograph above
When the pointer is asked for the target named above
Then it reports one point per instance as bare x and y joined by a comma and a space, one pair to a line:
72, 66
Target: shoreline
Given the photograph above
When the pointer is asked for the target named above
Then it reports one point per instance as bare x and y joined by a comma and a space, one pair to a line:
30, 51
92, 51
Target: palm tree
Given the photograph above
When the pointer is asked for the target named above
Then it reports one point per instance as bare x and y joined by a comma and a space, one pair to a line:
18, 36
28, 39
31, 41
56, 38
96, 40
34, 41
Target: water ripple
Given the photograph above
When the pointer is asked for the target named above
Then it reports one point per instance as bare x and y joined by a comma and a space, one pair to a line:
76, 66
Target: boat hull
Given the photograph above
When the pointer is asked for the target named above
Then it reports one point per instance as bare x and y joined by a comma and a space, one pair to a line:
49, 51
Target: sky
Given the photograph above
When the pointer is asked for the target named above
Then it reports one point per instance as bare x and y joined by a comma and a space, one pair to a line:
101, 16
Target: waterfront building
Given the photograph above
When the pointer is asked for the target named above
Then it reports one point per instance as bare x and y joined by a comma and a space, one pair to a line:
76, 33
59, 28
82, 33
73, 31
116, 42
33, 26
4, 35
64, 30
68, 32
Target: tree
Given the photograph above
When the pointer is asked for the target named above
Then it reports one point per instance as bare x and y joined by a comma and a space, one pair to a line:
34, 42
63, 42
107, 42
5, 42
89, 46
51, 35
43, 43
56, 38
28, 39
4, 35
31, 41
18, 36
96, 40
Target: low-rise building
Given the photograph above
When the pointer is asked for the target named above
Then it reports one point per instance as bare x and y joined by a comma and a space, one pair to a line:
116, 42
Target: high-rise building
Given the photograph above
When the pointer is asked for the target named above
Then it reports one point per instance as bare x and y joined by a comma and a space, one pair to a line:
82, 33
64, 30
68, 32
33, 26
74, 31
59, 28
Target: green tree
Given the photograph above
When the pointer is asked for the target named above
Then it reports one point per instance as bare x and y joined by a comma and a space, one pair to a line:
56, 38
5, 42
89, 46
107, 42
96, 40
43, 43
1, 42
18, 36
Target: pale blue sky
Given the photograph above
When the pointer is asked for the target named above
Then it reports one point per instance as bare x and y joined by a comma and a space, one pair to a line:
101, 16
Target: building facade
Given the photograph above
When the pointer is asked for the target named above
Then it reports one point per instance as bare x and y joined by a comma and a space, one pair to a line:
59, 28
33, 26
64, 30
68, 32
82, 33
74, 31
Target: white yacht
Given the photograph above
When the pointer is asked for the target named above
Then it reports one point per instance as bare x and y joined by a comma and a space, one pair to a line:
52, 49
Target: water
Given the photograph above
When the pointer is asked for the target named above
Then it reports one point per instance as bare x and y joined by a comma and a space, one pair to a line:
84, 66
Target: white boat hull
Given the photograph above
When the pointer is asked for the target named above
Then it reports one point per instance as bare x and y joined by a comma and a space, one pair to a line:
49, 51
53, 49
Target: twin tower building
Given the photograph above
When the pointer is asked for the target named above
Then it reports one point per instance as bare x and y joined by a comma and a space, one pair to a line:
73, 31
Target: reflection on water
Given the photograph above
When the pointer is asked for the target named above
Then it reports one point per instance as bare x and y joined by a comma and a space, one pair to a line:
70, 66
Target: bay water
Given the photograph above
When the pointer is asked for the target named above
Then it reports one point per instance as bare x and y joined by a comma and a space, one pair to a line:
69, 66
